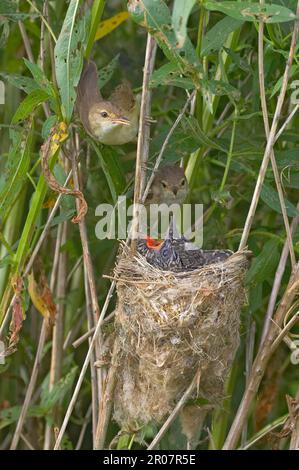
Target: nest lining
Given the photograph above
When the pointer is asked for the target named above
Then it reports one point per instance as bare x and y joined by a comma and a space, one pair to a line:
169, 326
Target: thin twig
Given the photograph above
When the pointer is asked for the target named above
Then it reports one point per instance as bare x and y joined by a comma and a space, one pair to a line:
90, 293
84, 368
39, 352
277, 280
267, 132
261, 361
287, 121
175, 412
58, 333
285, 331
83, 429
26, 41
271, 139
90, 332
165, 143
250, 340
143, 134
93, 372
107, 402
28, 444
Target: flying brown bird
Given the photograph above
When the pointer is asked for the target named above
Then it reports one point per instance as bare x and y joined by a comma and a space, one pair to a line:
113, 121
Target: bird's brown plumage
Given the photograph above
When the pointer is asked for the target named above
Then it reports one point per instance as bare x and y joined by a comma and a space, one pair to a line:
112, 121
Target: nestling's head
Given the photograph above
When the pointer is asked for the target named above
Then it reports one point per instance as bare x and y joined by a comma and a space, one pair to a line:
169, 186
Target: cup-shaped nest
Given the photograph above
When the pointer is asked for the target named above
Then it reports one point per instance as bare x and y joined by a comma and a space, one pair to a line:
171, 326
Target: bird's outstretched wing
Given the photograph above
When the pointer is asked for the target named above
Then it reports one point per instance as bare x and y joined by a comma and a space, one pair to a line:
88, 92
123, 96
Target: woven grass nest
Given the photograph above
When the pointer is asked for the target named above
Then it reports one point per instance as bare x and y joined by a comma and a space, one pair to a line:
171, 326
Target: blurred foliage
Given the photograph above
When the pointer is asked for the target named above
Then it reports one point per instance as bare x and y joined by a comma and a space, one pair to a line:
210, 46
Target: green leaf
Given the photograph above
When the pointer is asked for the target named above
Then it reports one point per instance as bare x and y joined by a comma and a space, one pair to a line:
287, 157
20, 155
169, 74
9, 9
9, 416
29, 104
50, 398
96, 14
188, 138
247, 11
219, 88
277, 86
112, 171
106, 73
69, 51
40, 77
190, 125
264, 265
26, 84
155, 16
180, 14
4, 31
270, 197
217, 35
47, 126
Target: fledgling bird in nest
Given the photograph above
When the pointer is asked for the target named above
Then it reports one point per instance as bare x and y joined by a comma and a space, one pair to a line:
113, 121
178, 254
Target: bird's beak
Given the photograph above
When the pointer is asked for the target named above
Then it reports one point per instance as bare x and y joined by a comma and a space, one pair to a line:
122, 120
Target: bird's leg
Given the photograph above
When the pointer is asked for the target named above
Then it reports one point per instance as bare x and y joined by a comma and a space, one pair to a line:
149, 120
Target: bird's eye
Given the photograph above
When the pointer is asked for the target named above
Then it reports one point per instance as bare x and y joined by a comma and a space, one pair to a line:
164, 184
104, 114
183, 182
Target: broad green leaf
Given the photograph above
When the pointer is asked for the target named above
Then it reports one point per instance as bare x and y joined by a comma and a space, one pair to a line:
188, 138
190, 125
20, 155
180, 14
290, 179
9, 10
40, 77
169, 74
264, 265
277, 86
29, 104
96, 14
110, 166
215, 38
4, 31
270, 197
285, 158
26, 84
47, 126
50, 398
9, 416
247, 11
155, 16
106, 73
69, 51
220, 88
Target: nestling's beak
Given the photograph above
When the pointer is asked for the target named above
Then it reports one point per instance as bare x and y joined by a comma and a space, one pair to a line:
122, 120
